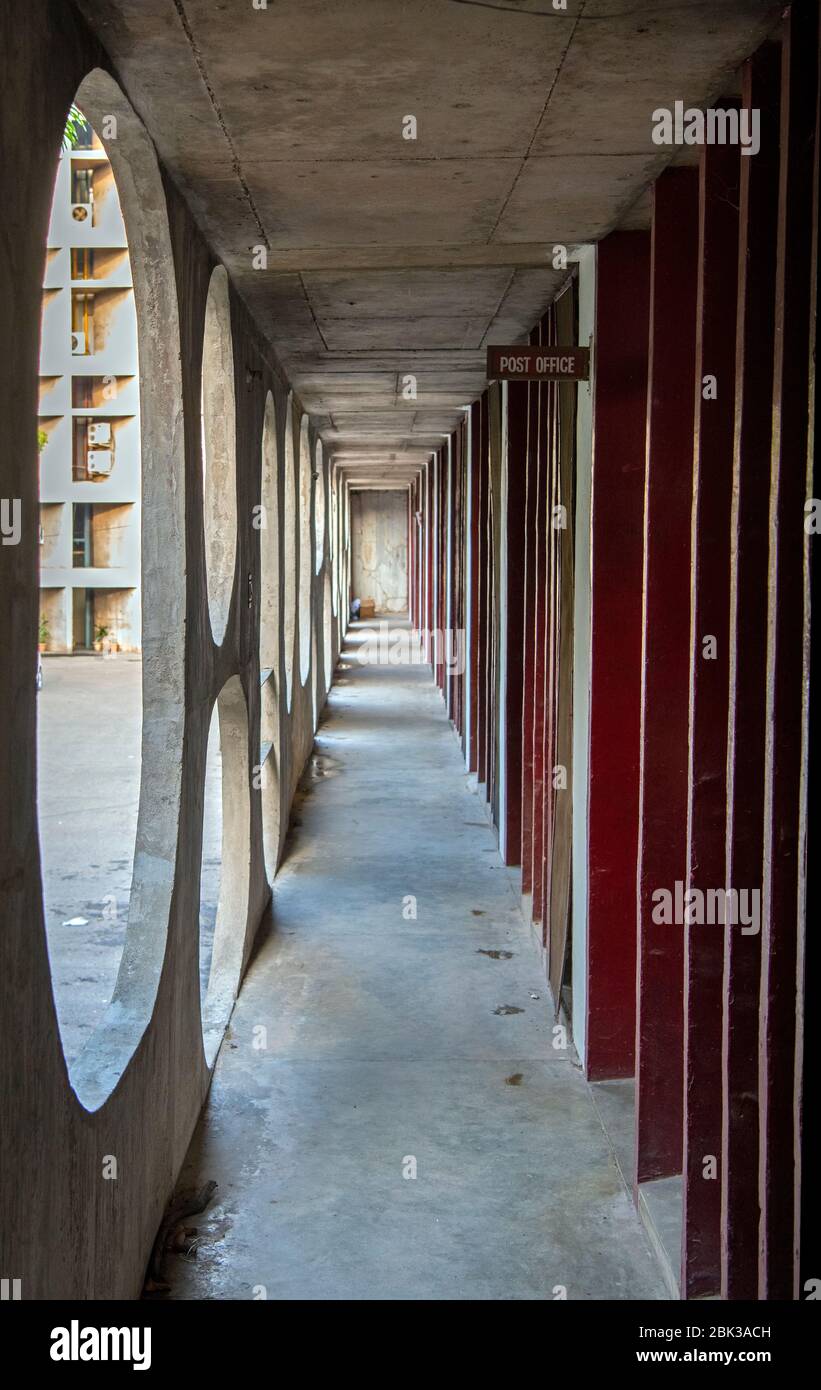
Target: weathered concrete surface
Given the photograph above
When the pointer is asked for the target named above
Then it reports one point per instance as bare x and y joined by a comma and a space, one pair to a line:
389, 1037
65, 1230
295, 145
386, 255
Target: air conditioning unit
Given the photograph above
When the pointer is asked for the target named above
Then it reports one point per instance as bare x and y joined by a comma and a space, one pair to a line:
78, 344
99, 432
99, 462
81, 212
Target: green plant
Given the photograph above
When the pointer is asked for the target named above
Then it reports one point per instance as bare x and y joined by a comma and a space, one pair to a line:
44, 629
100, 633
42, 440
75, 122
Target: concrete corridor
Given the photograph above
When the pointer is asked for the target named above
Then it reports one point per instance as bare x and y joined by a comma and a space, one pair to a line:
389, 1039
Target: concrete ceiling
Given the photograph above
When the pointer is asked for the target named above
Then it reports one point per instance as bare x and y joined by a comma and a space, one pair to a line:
385, 256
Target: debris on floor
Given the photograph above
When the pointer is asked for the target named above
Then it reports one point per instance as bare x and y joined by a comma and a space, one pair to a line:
174, 1237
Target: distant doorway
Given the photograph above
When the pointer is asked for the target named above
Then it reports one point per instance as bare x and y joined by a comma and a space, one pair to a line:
379, 547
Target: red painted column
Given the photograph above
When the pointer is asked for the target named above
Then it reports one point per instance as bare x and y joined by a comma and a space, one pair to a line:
441, 565
420, 549
473, 591
758, 218
433, 485
719, 175
808, 1051
457, 614
551, 642
783, 848
514, 597
617, 558
483, 633
411, 552
493, 581
529, 627
545, 407
665, 670
538, 637
455, 580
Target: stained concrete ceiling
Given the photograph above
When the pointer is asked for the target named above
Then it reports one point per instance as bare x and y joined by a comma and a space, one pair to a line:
283, 127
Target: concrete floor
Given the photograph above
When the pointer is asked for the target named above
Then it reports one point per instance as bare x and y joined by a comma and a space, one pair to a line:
364, 1039
88, 787
88, 728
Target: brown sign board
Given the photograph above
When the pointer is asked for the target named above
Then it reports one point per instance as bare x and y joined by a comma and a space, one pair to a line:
527, 363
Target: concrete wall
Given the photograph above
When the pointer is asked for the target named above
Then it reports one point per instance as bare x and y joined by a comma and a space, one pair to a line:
379, 541
137, 1088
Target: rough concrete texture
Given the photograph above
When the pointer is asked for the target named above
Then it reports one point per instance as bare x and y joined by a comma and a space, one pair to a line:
136, 1088
379, 549
389, 1037
389, 255
384, 256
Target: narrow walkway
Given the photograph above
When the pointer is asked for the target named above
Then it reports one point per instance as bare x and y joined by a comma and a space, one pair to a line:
396, 1041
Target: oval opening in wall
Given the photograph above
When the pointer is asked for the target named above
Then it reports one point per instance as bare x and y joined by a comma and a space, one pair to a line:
226, 862
111, 702
219, 453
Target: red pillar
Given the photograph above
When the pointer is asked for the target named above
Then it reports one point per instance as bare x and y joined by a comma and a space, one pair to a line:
540, 787
709, 700
617, 549
513, 588
758, 216
441, 564
411, 550
483, 625
783, 858
665, 670
529, 628
433, 553
473, 587
539, 448
552, 549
